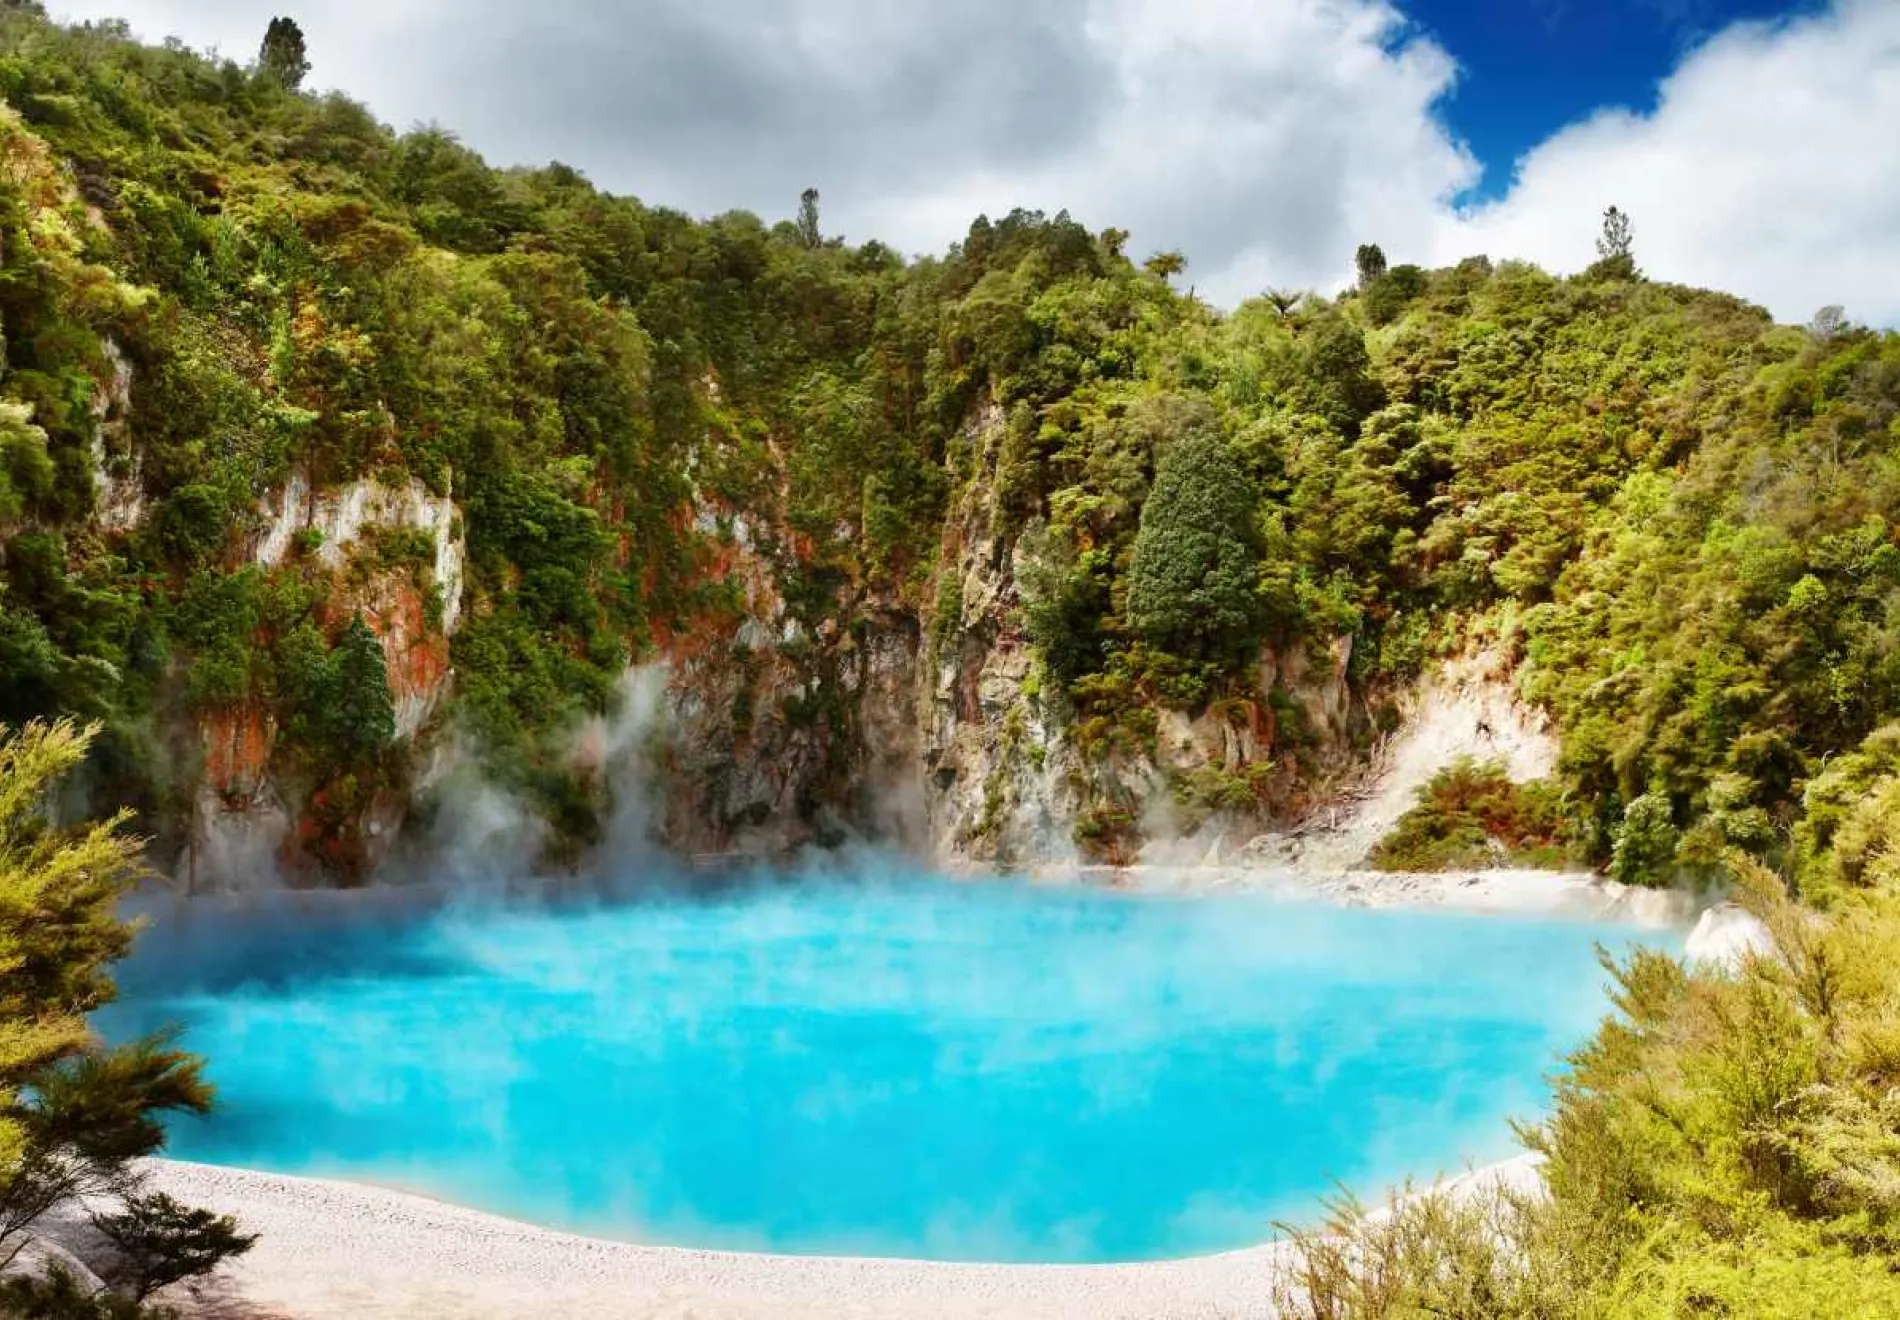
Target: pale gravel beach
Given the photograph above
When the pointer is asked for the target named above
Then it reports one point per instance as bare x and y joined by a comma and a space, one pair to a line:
1504, 892
331, 1250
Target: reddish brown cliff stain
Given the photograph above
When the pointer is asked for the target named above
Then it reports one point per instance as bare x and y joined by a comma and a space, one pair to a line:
237, 742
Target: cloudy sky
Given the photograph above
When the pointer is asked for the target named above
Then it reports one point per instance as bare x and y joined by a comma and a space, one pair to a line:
1753, 141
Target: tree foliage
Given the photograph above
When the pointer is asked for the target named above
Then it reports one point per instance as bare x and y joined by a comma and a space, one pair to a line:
74, 1112
1618, 236
1615, 244
157, 1242
1677, 517
1472, 815
282, 56
808, 231
1191, 581
1369, 260
1166, 265
1724, 1145
362, 720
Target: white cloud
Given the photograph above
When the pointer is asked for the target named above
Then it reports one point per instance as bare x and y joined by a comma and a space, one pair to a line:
1265, 138
1770, 168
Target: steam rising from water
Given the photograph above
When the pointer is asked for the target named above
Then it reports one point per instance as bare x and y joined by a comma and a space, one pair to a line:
877, 1062
485, 840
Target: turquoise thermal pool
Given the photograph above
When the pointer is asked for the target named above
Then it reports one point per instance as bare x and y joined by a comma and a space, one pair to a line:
911, 1067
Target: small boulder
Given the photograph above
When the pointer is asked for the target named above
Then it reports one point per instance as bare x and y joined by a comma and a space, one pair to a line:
40, 1255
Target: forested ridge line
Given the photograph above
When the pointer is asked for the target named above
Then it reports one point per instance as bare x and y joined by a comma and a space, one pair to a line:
1675, 517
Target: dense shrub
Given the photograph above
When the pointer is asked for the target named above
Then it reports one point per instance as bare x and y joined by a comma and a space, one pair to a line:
1191, 587
1646, 842
1473, 814
1724, 1146
76, 1114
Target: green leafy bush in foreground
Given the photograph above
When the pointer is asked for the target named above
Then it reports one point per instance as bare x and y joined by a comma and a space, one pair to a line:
75, 1113
1472, 814
1728, 1145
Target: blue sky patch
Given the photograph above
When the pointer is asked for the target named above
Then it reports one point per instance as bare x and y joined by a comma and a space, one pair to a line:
1530, 67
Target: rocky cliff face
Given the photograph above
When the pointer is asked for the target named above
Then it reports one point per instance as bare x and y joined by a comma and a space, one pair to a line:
335, 524
774, 730
116, 462
249, 827
1011, 778
1001, 785
780, 731
744, 749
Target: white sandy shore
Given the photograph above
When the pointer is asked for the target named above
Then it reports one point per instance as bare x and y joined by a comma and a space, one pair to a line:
330, 1250
1569, 894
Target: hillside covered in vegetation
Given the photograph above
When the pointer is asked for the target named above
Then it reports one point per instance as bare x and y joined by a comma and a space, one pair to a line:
338, 467
330, 455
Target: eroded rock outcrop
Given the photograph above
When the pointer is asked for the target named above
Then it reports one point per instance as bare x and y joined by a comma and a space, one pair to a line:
781, 731
1013, 778
117, 466
240, 822
414, 616
247, 827
1001, 785
1468, 709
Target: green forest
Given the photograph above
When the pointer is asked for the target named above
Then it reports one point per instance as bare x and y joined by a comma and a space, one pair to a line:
1678, 521
1676, 516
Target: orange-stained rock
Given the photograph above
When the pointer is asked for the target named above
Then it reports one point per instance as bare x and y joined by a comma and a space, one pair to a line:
415, 655
237, 742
